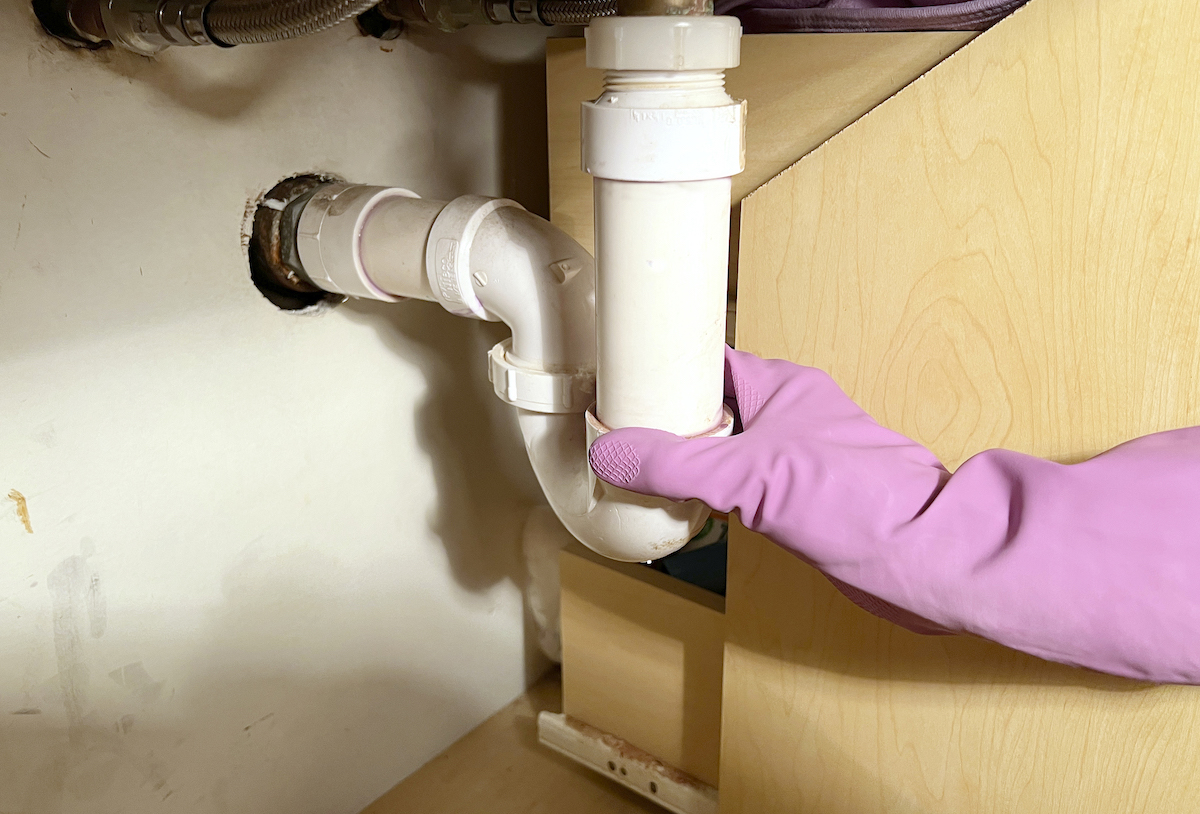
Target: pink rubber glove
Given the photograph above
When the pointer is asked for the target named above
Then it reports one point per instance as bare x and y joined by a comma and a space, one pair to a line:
1095, 564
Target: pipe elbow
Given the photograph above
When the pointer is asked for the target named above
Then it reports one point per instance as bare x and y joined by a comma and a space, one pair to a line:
535, 278
613, 522
629, 527
541, 283
490, 259
514, 267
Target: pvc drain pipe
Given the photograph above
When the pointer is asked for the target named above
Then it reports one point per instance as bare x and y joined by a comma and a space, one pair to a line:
490, 259
662, 143
644, 339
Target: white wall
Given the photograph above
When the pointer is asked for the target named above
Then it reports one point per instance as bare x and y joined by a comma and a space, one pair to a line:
273, 565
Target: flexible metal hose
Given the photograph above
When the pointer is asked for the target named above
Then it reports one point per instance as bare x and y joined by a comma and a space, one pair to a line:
574, 12
237, 22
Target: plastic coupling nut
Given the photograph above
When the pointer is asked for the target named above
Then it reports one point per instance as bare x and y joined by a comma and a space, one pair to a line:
332, 222
539, 391
448, 253
668, 144
723, 429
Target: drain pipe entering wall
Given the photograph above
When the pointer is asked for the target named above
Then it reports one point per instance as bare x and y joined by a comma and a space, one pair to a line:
639, 333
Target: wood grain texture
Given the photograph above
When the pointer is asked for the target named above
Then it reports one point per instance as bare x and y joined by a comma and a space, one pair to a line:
801, 89
1003, 254
642, 659
500, 768
829, 710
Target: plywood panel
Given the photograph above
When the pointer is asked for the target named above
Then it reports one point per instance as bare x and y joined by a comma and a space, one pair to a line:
801, 89
500, 768
1003, 254
642, 659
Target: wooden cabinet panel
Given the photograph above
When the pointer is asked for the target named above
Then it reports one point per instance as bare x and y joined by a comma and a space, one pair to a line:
642, 656
1006, 253
828, 710
500, 768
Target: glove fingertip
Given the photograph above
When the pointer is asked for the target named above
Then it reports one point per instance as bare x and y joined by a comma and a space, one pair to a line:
623, 457
656, 463
615, 460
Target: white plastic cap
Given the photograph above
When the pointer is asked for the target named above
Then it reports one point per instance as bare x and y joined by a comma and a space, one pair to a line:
664, 43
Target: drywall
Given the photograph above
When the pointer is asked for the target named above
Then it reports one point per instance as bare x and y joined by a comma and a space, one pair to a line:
273, 564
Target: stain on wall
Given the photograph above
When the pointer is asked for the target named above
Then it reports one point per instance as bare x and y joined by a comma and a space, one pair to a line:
76, 601
22, 509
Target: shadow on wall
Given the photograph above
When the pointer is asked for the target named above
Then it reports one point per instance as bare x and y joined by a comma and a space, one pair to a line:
301, 699
510, 61
521, 85
485, 483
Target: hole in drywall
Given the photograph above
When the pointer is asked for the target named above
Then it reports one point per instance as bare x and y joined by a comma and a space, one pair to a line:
612, 767
623, 771
653, 787
63, 19
376, 23
271, 237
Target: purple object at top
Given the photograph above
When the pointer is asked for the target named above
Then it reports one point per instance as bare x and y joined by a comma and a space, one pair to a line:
779, 16
1095, 564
